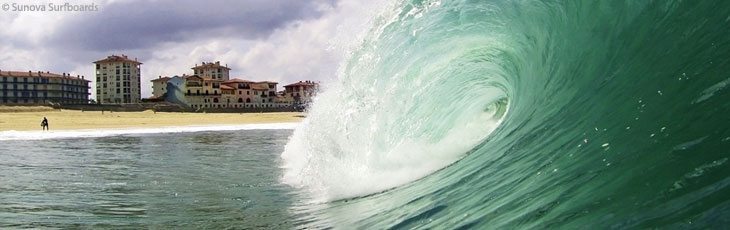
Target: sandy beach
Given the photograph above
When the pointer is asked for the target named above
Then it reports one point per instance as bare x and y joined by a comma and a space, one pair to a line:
29, 118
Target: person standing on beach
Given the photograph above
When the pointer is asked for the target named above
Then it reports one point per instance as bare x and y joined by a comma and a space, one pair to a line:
44, 124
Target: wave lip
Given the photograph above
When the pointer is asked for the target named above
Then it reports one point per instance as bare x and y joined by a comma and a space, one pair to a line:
87, 133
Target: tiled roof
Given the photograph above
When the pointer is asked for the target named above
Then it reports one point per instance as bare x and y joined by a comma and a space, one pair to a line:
211, 79
192, 76
260, 87
210, 65
302, 83
39, 74
116, 58
226, 87
236, 80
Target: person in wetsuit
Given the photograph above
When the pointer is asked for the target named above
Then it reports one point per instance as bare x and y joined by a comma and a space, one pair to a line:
44, 124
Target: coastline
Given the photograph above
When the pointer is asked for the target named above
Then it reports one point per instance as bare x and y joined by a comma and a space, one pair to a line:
70, 120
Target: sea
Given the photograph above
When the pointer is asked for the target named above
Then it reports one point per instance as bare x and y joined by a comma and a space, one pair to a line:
132, 180
460, 114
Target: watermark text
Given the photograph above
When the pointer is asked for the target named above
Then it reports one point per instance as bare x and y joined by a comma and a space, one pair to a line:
49, 7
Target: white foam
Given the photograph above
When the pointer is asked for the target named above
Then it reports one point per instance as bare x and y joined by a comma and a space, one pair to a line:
86, 133
338, 154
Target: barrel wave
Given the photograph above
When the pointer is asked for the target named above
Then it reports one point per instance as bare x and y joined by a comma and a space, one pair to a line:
524, 114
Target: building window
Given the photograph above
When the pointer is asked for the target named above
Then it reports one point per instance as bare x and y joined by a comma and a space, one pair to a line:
215, 100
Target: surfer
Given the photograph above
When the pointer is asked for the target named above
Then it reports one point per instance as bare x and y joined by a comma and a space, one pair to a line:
44, 124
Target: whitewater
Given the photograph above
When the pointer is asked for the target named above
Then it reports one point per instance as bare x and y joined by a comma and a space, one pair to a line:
523, 114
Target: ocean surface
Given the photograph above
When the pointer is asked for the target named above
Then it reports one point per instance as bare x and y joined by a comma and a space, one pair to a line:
191, 180
447, 115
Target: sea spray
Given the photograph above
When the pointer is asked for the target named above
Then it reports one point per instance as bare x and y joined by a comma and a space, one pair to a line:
395, 118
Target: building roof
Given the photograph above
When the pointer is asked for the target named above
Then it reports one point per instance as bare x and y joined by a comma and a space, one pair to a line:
269, 82
236, 80
192, 76
161, 79
227, 87
117, 58
212, 79
302, 83
260, 87
40, 74
206, 65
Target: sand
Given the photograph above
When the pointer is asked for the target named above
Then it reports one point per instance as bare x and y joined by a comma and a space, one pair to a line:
24, 119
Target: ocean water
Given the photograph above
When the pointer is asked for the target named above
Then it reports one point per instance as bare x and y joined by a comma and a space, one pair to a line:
524, 114
191, 180
457, 114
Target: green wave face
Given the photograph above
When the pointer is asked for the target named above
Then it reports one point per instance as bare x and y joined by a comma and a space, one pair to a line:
524, 114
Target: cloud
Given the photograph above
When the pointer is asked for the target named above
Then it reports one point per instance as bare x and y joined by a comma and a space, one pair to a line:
127, 25
282, 40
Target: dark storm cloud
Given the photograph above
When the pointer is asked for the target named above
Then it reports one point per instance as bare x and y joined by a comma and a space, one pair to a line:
141, 24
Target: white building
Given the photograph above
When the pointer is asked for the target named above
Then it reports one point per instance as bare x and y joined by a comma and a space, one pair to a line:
212, 70
118, 80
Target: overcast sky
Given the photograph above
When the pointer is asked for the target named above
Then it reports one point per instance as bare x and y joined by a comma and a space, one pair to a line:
279, 40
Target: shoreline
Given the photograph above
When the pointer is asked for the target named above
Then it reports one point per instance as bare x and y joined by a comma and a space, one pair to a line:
13, 135
74, 120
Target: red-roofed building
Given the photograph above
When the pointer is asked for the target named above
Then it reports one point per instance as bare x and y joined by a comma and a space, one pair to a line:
118, 80
211, 87
301, 92
28, 88
212, 70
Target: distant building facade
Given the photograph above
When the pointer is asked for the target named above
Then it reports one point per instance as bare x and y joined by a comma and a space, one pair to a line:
210, 86
301, 92
159, 87
203, 93
212, 70
38, 88
118, 80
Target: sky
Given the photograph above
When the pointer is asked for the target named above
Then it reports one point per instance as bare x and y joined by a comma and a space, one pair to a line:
276, 40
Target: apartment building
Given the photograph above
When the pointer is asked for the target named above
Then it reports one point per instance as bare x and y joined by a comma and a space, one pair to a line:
212, 70
301, 92
210, 86
234, 93
42, 88
118, 80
